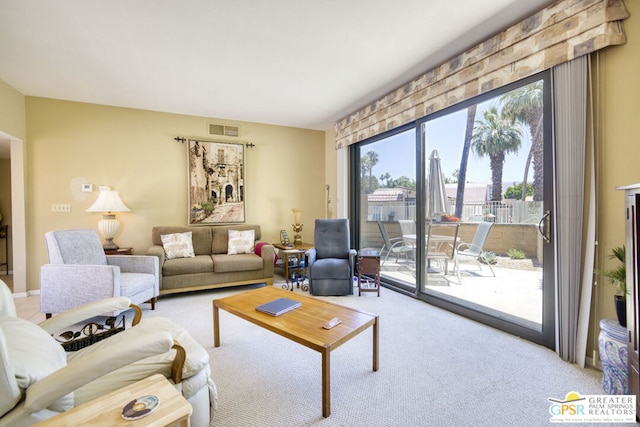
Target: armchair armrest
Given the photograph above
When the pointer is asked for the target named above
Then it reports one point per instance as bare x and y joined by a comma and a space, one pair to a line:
135, 263
95, 361
311, 255
84, 312
352, 260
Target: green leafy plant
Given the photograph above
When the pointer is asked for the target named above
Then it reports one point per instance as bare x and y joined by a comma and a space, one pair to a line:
618, 275
516, 253
488, 257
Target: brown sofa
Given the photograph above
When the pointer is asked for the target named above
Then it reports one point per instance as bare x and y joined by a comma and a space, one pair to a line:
211, 267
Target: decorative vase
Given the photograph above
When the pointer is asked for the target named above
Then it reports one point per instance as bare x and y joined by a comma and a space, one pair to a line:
621, 310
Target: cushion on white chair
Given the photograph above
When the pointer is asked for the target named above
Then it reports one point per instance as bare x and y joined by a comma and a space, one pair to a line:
33, 354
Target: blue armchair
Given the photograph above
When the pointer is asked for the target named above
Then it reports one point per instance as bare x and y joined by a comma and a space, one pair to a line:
331, 261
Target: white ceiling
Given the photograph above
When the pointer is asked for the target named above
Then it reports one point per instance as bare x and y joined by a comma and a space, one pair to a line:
286, 62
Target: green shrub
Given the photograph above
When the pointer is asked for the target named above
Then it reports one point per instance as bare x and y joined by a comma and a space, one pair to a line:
516, 253
488, 257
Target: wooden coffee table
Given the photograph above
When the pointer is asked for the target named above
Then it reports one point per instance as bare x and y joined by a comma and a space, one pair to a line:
302, 325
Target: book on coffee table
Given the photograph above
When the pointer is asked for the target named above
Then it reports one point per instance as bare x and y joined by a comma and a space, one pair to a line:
278, 306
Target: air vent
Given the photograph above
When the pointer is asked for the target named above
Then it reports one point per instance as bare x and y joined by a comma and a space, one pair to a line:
223, 130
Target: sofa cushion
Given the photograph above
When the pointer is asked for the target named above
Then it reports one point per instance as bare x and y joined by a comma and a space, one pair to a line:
197, 264
241, 242
200, 236
33, 355
241, 262
220, 240
178, 245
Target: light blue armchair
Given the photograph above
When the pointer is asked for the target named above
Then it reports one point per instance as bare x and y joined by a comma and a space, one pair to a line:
79, 272
331, 261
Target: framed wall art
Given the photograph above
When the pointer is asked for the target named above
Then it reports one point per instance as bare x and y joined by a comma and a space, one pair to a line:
216, 183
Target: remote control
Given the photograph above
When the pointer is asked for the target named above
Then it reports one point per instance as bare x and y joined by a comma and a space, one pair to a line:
331, 323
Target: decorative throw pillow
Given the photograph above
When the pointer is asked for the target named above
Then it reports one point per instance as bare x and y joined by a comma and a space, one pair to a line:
241, 242
178, 245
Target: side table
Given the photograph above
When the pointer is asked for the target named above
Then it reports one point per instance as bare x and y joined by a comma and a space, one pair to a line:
368, 271
107, 410
294, 263
119, 251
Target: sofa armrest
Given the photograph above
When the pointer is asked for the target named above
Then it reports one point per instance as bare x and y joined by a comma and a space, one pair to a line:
157, 251
267, 253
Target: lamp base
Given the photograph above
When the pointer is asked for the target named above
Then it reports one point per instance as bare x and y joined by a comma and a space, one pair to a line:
110, 245
297, 238
108, 226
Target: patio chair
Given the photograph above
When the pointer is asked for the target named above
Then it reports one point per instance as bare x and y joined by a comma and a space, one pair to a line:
441, 245
397, 245
408, 227
476, 247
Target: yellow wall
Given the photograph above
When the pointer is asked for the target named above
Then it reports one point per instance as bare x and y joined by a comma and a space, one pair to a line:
617, 146
134, 152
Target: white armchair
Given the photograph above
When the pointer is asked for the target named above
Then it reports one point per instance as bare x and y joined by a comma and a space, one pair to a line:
79, 272
39, 380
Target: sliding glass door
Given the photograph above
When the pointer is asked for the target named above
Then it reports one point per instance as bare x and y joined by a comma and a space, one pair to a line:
459, 204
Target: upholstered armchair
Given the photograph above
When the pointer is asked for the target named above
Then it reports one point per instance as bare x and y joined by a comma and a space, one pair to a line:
331, 261
38, 379
79, 272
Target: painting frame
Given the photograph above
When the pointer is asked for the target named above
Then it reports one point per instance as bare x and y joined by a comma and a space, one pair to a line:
216, 182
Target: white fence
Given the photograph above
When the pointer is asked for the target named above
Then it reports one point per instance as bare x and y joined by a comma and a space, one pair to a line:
505, 212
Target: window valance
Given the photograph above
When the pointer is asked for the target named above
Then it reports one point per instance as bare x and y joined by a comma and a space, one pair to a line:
559, 33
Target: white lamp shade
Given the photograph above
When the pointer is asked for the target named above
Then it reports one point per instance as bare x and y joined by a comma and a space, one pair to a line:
108, 201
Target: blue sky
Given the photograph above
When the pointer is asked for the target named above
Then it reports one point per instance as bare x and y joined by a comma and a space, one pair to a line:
396, 154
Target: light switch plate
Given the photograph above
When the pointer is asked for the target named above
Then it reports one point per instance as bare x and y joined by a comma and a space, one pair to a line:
87, 188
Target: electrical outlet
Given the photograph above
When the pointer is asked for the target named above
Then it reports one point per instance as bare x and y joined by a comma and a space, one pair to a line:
60, 208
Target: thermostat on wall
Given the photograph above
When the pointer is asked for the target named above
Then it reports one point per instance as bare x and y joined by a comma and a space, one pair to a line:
87, 188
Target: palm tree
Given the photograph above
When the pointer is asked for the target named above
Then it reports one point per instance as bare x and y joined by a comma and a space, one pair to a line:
462, 173
368, 161
495, 136
525, 105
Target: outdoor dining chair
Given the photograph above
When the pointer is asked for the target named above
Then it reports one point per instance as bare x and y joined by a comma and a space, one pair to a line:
396, 246
441, 245
476, 247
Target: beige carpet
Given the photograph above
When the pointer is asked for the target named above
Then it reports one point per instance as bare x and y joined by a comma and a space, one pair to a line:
436, 369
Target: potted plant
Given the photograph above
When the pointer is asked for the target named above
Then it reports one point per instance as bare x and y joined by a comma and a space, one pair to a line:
618, 278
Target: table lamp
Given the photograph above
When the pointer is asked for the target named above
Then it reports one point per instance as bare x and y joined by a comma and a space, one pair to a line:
108, 202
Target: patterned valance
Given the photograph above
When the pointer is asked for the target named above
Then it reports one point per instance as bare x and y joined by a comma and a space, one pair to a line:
561, 32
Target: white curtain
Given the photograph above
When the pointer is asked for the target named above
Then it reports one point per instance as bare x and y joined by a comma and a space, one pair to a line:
569, 83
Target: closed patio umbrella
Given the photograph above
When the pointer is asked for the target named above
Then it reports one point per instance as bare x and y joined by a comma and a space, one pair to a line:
436, 193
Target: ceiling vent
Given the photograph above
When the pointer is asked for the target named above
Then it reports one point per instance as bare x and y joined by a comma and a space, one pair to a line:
223, 130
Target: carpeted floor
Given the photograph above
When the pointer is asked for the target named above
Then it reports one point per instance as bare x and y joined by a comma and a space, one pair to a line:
436, 369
